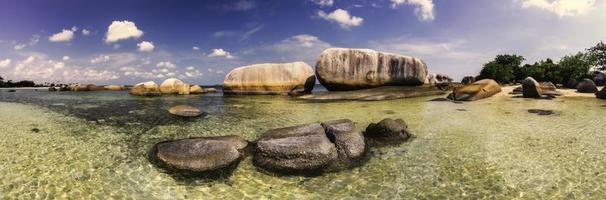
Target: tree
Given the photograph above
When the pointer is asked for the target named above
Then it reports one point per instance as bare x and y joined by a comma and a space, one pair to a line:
599, 53
502, 69
576, 66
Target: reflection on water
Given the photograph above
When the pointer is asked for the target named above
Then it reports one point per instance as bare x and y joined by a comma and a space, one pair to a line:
94, 145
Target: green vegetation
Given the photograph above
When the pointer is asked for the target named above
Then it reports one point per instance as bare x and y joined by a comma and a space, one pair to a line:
10, 83
508, 68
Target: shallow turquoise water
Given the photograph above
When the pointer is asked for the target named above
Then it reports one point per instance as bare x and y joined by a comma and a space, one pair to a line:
94, 145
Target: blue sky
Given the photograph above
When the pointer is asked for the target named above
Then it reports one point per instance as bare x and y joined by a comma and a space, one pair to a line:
200, 41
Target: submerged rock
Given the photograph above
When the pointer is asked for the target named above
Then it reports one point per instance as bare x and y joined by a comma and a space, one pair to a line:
388, 130
185, 111
146, 89
354, 69
271, 78
587, 86
304, 148
531, 88
348, 140
601, 94
478, 90
541, 111
174, 86
199, 154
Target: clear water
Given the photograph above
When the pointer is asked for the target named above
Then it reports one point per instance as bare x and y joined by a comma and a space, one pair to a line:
94, 145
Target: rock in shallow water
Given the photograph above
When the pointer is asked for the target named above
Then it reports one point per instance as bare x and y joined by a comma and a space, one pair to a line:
348, 140
149, 88
271, 78
304, 148
198, 154
185, 111
531, 88
478, 90
174, 86
353, 69
388, 130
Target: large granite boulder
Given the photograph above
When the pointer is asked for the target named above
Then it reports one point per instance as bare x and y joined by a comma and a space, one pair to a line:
348, 140
206, 154
388, 130
196, 89
174, 86
270, 78
572, 83
587, 86
531, 88
185, 111
146, 89
298, 149
354, 69
478, 90
601, 94
115, 87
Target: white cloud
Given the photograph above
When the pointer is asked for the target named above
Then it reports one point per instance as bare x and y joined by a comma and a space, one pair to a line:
85, 32
424, 8
146, 46
221, 53
99, 59
191, 68
242, 5
342, 17
65, 58
195, 48
63, 36
166, 64
19, 46
301, 47
324, 2
34, 40
59, 65
122, 30
29, 60
5, 63
561, 8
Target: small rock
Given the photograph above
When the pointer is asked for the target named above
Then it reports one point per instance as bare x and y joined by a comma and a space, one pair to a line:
541, 112
185, 111
388, 129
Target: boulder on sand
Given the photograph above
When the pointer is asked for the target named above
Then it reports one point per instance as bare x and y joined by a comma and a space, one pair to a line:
587, 86
174, 86
146, 89
206, 154
270, 78
388, 130
298, 149
348, 139
601, 94
341, 69
478, 90
531, 88
572, 83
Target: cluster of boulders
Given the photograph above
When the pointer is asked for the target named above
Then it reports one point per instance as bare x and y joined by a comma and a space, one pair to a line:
169, 86
531, 88
87, 87
303, 149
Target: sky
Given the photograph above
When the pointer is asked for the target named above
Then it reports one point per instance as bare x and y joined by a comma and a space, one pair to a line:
199, 42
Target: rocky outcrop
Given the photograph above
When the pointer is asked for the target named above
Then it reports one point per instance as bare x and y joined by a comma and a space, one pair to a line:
388, 130
271, 78
601, 94
185, 111
146, 89
587, 86
348, 140
439, 79
354, 69
304, 148
199, 154
531, 88
468, 80
478, 90
115, 87
196, 89
174, 86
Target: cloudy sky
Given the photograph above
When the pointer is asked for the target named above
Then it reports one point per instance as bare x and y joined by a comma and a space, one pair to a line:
200, 41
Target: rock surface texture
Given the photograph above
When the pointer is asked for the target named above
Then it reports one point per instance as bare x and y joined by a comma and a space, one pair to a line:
352, 69
174, 86
199, 154
531, 88
270, 78
388, 130
295, 149
348, 139
587, 86
146, 89
478, 90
